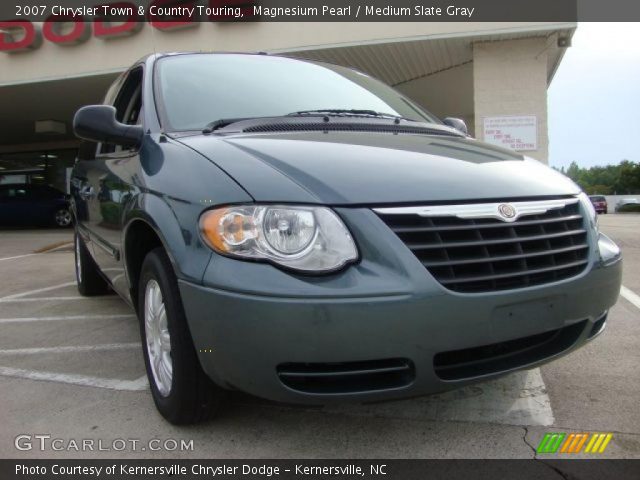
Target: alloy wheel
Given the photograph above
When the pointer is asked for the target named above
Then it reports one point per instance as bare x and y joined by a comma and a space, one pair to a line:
158, 338
63, 218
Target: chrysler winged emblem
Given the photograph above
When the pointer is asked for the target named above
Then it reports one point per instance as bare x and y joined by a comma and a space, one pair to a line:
506, 211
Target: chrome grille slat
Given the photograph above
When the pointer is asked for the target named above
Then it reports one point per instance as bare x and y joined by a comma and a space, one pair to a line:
533, 238
512, 274
505, 258
467, 248
485, 225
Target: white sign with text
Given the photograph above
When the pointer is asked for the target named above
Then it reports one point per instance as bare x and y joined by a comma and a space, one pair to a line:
517, 132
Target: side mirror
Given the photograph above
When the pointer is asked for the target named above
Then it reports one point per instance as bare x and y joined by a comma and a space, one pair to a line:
98, 123
456, 123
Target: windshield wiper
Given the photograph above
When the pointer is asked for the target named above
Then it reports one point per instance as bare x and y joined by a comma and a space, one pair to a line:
220, 123
350, 111
225, 122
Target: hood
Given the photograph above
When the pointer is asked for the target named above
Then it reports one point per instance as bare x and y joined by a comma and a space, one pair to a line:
347, 168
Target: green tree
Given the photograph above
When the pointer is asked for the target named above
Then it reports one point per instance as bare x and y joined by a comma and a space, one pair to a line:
599, 190
621, 179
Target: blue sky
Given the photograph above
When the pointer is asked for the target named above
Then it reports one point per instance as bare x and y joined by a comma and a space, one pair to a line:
594, 98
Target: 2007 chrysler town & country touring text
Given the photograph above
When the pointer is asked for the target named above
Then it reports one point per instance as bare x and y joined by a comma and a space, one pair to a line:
301, 232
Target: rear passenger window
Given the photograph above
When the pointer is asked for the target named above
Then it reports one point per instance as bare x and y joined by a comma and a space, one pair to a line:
128, 105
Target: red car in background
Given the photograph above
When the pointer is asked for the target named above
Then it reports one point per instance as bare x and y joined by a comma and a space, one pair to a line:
599, 203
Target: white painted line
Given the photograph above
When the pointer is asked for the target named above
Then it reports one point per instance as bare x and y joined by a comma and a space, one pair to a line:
70, 348
60, 319
39, 290
18, 256
630, 296
59, 247
136, 385
517, 399
59, 299
50, 299
520, 398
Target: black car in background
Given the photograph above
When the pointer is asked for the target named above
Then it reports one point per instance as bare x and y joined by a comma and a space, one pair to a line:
26, 204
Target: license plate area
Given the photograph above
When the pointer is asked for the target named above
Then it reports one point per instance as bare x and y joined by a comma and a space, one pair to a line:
529, 317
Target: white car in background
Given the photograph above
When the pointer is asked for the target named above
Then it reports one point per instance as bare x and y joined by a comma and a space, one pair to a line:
626, 201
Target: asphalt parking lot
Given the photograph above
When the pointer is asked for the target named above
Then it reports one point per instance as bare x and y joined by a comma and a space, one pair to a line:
72, 368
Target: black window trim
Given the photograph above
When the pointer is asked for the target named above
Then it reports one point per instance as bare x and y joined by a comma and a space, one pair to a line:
122, 80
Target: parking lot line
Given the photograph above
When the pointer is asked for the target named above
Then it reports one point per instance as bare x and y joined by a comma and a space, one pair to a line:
38, 290
18, 256
53, 248
69, 348
50, 299
56, 319
520, 398
136, 385
630, 296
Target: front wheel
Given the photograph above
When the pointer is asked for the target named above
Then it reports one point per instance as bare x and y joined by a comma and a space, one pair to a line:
181, 390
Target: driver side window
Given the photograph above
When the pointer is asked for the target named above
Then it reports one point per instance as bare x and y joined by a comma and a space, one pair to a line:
128, 105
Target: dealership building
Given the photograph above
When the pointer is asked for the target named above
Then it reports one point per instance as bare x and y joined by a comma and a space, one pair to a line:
494, 76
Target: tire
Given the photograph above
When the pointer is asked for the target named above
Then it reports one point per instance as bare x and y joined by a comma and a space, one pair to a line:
62, 218
185, 395
90, 282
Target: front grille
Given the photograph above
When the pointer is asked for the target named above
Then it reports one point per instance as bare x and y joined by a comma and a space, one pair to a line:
347, 377
486, 254
504, 356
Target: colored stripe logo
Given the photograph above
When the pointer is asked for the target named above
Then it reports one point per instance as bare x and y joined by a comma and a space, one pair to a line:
574, 442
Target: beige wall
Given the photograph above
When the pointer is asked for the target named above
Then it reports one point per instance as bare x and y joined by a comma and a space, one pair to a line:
448, 93
510, 78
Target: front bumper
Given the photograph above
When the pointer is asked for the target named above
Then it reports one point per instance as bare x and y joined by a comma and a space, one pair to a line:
278, 336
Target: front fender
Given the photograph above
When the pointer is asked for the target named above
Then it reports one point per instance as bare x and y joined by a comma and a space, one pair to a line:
175, 223
172, 187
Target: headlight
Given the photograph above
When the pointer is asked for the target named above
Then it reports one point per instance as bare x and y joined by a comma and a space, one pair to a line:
589, 208
308, 239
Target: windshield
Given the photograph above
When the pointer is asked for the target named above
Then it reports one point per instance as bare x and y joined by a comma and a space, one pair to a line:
195, 90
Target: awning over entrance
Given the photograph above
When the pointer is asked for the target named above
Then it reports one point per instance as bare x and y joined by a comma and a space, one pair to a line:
399, 62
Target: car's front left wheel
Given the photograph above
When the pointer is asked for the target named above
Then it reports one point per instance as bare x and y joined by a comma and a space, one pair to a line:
181, 390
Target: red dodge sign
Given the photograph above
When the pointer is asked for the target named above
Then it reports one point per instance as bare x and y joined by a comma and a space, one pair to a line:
110, 20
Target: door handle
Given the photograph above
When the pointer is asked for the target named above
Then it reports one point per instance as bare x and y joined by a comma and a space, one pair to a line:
86, 192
